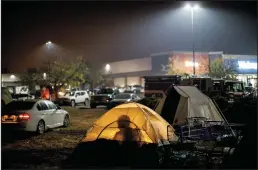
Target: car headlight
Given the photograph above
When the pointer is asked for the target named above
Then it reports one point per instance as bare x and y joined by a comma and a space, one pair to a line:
61, 93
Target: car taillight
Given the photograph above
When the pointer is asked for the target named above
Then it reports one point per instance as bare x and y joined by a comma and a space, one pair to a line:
24, 116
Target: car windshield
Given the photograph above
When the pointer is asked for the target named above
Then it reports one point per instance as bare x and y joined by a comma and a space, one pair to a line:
105, 91
70, 94
234, 86
20, 105
123, 96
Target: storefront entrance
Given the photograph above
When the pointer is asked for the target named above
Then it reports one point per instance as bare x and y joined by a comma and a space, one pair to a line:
248, 79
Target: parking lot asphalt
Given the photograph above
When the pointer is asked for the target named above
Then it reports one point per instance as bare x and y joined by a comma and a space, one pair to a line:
27, 150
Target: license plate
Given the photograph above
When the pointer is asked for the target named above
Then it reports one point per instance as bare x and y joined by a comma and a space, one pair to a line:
11, 118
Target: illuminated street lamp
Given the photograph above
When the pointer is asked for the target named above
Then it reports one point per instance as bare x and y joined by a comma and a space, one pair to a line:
12, 77
192, 8
107, 68
49, 42
44, 75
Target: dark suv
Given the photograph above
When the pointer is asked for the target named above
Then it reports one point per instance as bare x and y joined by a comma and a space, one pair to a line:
103, 97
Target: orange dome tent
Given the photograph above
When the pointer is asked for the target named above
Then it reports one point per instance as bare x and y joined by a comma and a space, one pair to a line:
146, 125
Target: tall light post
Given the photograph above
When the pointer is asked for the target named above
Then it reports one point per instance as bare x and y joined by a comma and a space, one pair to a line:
49, 66
49, 62
192, 8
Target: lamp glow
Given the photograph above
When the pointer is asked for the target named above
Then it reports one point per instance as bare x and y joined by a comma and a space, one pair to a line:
49, 42
187, 6
196, 7
44, 75
107, 67
190, 64
192, 7
12, 76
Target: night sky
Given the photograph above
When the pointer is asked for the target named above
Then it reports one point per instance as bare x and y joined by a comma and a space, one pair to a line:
112, 31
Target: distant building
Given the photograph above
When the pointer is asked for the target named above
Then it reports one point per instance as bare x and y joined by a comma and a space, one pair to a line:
131, 72
11, 79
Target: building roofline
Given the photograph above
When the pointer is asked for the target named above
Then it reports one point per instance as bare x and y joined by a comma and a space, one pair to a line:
126, 60
187, 52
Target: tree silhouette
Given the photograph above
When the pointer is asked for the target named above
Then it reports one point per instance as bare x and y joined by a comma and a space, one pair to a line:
218, 70
60, 73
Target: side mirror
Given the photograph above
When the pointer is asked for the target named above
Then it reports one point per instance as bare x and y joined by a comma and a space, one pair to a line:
58, 107
76, 95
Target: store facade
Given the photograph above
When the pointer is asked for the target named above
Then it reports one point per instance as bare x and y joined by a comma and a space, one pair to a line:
131, 72
128, 72
246, 67
180, 62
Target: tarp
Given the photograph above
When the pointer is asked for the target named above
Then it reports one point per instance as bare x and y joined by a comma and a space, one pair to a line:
190, 103
130, 122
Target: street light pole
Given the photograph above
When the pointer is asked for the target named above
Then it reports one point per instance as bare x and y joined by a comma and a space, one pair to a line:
192, 8
192, 17
49, 67
49, 61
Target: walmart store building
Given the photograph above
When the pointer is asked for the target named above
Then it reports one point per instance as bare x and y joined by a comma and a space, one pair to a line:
131, 72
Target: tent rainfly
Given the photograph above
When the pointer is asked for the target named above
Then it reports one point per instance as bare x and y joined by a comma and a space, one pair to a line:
184, 102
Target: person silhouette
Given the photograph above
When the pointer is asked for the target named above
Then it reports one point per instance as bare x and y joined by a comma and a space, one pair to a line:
129, 139
126, 133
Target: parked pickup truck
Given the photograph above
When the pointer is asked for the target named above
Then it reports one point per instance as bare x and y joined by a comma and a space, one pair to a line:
103, 97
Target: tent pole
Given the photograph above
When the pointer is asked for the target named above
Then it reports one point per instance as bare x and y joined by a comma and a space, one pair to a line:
224, 118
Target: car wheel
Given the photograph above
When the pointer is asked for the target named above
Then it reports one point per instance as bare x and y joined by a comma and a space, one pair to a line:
41, 127
73, 103
66, 121
86, 103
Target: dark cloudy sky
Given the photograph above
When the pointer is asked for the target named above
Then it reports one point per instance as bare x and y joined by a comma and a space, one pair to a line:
111, 31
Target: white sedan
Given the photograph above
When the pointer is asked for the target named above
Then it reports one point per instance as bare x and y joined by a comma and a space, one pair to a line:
34, 116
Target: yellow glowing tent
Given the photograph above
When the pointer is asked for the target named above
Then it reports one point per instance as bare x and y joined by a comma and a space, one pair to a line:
131, 121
